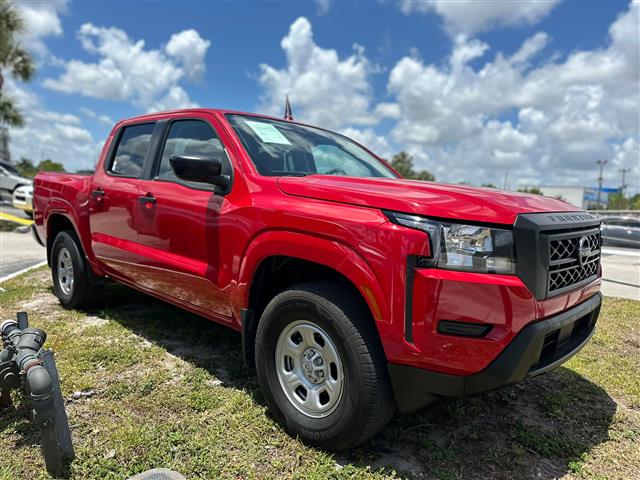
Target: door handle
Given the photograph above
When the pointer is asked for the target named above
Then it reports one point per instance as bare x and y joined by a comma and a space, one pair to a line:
98, 193
147, 200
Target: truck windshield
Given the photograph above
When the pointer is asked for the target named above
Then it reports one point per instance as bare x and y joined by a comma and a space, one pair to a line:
279, 148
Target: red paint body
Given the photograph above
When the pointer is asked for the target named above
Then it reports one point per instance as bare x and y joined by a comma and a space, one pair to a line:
200, 251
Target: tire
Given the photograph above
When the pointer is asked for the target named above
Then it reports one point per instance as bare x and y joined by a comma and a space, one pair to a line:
357, 401
73, 286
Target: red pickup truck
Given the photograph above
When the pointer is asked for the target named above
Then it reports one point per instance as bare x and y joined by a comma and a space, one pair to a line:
356, 292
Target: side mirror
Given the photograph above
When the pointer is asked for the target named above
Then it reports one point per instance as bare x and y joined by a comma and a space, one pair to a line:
199, 168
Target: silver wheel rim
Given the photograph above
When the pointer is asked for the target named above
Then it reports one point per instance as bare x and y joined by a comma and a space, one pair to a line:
309, 369
65, 271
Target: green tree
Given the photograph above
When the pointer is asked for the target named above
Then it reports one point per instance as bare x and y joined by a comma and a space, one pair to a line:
534, 190
488, 185
616, 201
49, 165
26, 167
403, 163
14, 59
634, 202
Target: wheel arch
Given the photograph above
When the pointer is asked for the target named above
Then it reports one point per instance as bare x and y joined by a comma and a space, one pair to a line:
277, 260
58, 222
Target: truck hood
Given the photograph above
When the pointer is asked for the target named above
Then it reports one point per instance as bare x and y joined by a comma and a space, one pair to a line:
457, 202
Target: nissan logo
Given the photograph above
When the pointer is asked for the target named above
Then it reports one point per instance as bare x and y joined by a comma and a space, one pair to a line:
584, 250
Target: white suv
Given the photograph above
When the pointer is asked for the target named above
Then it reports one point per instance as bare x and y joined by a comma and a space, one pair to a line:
23, 199
10, 178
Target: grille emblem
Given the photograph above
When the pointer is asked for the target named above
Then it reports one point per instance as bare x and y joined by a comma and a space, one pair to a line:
584, 250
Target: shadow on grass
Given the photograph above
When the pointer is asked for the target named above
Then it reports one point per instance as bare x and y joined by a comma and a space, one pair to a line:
537, 429
16, 419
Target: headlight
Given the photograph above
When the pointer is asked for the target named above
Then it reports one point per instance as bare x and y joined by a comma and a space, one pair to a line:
457, 246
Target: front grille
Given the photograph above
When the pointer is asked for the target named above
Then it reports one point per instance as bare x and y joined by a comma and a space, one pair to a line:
573, 259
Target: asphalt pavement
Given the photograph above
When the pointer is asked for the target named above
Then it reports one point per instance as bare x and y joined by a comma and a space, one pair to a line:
18, 249
621, 272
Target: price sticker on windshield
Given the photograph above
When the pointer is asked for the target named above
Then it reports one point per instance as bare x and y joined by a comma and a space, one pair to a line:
268, 133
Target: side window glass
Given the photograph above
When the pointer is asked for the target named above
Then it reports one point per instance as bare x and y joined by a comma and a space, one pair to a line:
132, 150
189, 137
331, 159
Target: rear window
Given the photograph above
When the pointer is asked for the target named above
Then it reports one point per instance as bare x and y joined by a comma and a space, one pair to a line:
131, 151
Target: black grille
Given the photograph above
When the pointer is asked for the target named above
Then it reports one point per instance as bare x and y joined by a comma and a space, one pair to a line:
573, 259
547, 252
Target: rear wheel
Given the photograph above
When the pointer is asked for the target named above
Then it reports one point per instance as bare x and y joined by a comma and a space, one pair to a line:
69, 270
321, 367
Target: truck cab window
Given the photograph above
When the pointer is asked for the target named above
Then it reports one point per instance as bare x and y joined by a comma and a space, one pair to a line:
331, 159
189, 137
132, 150
280, 148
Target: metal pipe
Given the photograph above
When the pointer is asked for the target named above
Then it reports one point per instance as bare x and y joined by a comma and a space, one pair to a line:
24, 357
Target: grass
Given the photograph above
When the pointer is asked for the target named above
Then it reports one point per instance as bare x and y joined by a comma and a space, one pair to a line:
169, 389
6, 226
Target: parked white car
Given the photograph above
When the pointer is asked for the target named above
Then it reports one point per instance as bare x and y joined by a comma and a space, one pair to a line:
10, 178
23, 198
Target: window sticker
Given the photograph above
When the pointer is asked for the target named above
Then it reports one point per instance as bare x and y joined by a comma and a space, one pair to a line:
268, 133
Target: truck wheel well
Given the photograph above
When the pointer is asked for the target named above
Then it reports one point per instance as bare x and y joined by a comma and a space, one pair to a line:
275, 274
57, 223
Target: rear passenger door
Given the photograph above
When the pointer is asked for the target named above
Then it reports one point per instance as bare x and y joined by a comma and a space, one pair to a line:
179, 229
114, 198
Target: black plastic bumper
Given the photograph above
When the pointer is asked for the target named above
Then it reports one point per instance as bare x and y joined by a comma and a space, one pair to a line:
537, 348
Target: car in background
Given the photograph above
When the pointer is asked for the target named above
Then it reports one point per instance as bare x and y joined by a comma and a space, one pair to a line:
23, 199
10, 178
621, 231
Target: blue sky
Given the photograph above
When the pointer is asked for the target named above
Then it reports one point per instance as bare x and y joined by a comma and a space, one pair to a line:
474, 90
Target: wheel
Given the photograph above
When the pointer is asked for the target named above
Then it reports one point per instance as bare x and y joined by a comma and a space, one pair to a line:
69, 270
321, 366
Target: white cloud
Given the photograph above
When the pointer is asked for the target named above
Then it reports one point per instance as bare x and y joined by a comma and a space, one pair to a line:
387, 110
175, 98
472, 16
42, 19
126, 70
378, 144
323, 6
48, 116
189, 48
103, 119
75, 134
323, 88
550, 123
48, 134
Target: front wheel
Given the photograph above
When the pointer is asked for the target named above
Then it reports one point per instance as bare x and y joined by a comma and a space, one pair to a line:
321, 367
69, 271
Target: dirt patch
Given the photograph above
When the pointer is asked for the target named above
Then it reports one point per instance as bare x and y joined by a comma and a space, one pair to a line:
40, 302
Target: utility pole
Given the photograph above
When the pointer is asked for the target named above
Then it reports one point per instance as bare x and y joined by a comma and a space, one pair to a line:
602, 163
623, 186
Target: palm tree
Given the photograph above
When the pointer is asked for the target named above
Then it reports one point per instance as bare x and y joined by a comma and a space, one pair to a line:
13, 58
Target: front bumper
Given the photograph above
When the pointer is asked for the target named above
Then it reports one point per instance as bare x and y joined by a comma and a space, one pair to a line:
538, 347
